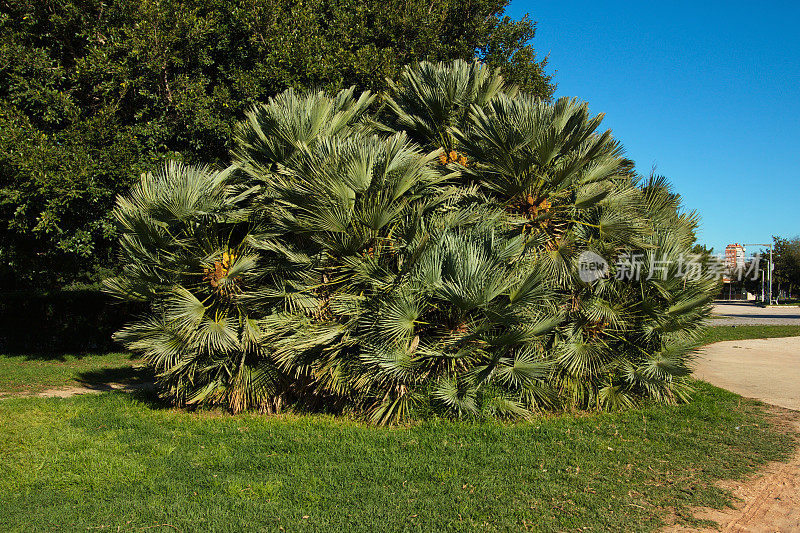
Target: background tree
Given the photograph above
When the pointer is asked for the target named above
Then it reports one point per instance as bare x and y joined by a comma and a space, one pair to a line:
787, 264
94, 92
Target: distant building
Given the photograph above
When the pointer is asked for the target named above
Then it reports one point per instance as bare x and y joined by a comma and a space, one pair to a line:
734, 257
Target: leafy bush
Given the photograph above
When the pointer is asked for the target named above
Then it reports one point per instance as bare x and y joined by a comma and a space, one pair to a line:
95, 92
420, 259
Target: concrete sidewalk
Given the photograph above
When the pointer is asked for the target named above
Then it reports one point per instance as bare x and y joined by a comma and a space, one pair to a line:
765, 369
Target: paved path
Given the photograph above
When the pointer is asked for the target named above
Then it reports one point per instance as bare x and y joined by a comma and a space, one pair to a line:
769, 370
765, 369
746, 313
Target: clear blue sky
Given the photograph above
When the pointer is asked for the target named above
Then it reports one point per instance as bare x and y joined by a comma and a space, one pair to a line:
709, 92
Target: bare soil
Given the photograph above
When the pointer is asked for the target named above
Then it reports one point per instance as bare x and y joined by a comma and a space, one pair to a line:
66, 392
766, 502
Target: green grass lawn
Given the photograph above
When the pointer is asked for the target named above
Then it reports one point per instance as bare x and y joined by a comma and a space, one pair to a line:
737, 333
109, 461
31, 373
123, 461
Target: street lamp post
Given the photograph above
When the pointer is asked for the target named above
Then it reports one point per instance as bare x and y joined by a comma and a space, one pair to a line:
769, 268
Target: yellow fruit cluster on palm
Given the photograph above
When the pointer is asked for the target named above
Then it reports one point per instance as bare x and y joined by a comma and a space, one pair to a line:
446, 158
534, 207
529, 206
216, 274
594, 330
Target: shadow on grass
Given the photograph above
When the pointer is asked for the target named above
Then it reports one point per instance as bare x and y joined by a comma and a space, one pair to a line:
148, 396
108, 378
138, 381
61, 357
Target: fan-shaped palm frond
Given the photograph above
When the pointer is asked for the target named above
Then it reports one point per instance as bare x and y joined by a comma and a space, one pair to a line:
290, 123
185, 251
431, 100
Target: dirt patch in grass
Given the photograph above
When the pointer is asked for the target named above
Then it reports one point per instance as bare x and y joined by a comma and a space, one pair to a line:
766, 501
66, 392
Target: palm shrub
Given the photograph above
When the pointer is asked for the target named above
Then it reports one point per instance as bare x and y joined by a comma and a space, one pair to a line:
184, 240
377, 293
567, 188
422, 258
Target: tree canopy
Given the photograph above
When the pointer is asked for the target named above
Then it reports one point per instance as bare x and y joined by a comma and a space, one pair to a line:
94, 92
787, 263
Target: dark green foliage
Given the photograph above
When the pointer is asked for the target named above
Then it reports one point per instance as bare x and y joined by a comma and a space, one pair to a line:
61, 321
92, 93
787, 264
